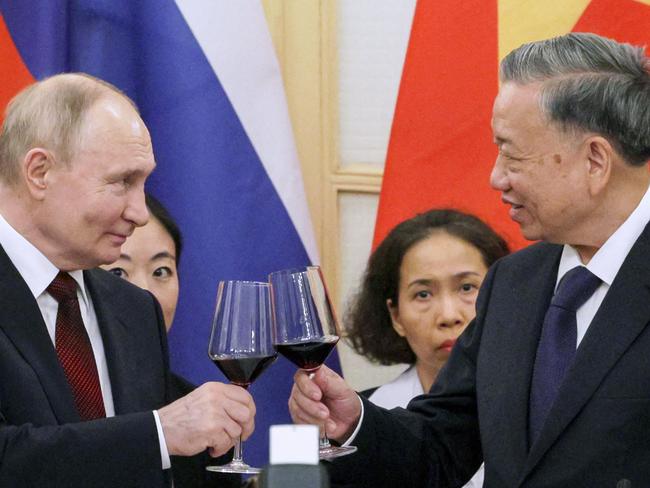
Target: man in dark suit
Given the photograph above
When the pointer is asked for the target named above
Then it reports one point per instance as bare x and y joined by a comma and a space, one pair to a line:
550, 385
85, 392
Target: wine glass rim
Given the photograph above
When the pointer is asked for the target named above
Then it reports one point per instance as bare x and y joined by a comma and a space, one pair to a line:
295, 270
245, 282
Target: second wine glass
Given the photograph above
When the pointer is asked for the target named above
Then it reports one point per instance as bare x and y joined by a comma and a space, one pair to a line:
241, 344
305, 328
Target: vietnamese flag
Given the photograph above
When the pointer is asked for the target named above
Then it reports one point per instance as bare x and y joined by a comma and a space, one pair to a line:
441, 152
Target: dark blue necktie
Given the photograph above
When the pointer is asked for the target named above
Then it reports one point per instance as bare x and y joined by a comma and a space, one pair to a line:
557, 344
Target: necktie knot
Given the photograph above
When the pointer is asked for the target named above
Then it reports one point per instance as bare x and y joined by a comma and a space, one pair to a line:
63, 287
575, 288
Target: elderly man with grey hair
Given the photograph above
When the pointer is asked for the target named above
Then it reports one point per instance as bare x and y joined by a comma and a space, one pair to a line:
85, 392
550, 385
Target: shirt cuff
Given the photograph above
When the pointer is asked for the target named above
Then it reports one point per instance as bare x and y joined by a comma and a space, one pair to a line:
164, 453
356, 431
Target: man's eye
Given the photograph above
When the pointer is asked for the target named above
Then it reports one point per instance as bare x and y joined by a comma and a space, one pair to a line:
119, 272
509, 157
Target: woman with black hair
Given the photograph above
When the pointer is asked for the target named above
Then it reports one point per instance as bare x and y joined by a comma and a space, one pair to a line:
418, 295
149, 258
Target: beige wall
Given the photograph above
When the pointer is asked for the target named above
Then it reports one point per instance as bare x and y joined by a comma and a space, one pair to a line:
341, 62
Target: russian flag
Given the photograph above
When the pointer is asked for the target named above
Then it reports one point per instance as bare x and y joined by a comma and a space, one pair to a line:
207, 82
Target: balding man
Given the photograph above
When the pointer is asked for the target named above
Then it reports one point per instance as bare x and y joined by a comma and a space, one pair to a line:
84, 377
550, 385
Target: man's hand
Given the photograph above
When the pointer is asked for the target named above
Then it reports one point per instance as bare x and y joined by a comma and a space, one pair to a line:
325, 398
210, 417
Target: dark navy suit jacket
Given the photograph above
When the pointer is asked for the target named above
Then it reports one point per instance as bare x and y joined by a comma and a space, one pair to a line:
598, 431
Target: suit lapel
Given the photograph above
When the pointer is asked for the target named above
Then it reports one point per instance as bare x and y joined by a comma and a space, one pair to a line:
22, 322
505, 387
622, 316
120, 358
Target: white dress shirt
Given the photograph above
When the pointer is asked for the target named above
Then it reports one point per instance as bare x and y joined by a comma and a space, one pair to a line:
398, 393
606, 262
38, 272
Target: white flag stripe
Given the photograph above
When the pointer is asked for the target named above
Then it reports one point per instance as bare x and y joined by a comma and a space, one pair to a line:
235, 39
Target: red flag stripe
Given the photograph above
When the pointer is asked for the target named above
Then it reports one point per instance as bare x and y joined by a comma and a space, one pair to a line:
11, 62
441, 152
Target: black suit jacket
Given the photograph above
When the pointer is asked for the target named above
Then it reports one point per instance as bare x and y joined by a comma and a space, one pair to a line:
42, 440
598, 431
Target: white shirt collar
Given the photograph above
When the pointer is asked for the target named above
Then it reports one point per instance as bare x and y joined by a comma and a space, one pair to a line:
400, 391
37, 271
609, 258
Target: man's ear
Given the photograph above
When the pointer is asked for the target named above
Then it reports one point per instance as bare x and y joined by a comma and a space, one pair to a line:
36, 165
394, 317
600, 159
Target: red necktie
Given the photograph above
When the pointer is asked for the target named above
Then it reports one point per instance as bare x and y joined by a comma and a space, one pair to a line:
74, 350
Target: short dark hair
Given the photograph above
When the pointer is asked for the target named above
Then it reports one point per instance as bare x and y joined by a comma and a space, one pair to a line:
160, 213
368, 323
591, 84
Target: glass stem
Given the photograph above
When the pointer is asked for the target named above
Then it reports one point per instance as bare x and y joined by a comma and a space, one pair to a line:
323, 442
239, 452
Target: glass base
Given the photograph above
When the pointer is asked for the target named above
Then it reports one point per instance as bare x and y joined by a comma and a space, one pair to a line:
333, 452
235, 467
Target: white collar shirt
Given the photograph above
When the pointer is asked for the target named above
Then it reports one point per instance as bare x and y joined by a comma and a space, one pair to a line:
38, 272
400, 391
607, 261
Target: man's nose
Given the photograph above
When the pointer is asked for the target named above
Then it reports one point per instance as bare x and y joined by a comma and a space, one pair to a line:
136, 210
498, 177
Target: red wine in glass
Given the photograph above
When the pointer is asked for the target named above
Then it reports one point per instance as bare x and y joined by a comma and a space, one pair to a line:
241, 344
305, 328
243, 370
308, 355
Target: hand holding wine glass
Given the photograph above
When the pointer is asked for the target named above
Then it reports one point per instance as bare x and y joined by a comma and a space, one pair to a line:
241, 343
305, 328
325, 388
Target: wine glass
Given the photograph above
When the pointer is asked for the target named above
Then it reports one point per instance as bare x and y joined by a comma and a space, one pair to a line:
241, 344
305, 329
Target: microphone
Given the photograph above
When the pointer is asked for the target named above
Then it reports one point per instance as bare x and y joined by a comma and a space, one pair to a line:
294, 459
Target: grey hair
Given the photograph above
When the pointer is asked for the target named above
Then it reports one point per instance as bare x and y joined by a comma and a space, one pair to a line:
590, 84
49, 114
